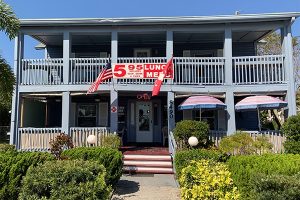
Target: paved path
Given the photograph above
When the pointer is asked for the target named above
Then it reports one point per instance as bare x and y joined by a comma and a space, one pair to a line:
147, 186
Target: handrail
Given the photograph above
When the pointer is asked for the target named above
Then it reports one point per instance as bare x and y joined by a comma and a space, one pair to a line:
172, 144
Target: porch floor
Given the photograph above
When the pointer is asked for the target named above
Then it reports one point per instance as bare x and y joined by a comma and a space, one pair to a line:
134, 150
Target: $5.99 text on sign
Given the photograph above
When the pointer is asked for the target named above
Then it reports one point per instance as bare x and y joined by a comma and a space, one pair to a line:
140, 70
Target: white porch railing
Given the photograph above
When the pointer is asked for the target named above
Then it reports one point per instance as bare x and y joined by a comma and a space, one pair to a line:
79, 135
41, 71
140, 60
259, 69
216, 136
86, 70
37, 139
172, 144
199, 71
275, 137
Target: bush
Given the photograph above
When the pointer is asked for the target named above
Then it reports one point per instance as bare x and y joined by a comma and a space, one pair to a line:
245, 168
276, 187
241, 143
60, 143
112, 141
13, 166
65, 179
7, 147
187, 128
183, 158
207, 179
291, 130
110, 158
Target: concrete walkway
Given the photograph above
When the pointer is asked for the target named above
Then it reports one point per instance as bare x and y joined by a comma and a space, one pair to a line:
147, 186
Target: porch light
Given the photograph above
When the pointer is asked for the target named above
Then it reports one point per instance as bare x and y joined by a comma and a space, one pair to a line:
193, 141
91, 139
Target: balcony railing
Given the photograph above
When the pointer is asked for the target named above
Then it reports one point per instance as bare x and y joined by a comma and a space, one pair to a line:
41, 72
79, 135
259, 70
268, 69
86, 70
199, 71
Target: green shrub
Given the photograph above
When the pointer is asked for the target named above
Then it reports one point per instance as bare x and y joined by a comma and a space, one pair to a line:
110, 158
13, 166
187, 128
207, 179
291, 130
65, 179
112, 141
183, 158
244, 169
7, 147
279, 187
262, 145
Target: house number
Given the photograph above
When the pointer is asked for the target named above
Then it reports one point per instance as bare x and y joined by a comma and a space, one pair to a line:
171, 109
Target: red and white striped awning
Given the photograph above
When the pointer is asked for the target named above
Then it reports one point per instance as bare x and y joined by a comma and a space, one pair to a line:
201, 102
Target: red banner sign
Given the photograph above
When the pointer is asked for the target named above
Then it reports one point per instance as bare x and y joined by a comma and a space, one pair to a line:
139, 70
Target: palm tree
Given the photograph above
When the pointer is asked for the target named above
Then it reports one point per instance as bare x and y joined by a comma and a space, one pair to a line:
9, 23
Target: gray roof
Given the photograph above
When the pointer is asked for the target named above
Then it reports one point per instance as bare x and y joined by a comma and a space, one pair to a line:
161, 20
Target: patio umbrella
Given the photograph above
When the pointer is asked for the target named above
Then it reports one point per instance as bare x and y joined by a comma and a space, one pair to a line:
260, 103
201, 102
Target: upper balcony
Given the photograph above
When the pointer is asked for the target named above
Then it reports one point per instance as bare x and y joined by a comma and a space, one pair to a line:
200, 58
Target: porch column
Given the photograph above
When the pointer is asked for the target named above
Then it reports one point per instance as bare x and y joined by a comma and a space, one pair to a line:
229, 101
113, 111
65, 120
287, 49
228, 55
113, 93
15, 114
171, 111
169, 49
66, 56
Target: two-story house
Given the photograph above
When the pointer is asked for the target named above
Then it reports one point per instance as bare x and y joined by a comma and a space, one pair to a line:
213, 56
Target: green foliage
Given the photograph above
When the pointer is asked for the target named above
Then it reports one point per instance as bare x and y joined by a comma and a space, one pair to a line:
7, 147
188, 128
60, 143
13, 166
9, 22
279, 187
112, 141
241, 143
244, 168
110, 158
292, 132
65, 179
7, 82
183, 158
207, 179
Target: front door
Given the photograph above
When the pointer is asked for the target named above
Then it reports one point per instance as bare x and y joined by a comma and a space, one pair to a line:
144, 126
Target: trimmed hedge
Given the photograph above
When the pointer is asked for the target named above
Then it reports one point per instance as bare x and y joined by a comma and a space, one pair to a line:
183, 158
110, 158
7, 147
244, 169
65, 179
13, 166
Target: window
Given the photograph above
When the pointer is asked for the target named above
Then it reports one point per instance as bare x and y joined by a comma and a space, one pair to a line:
142, 52
87, 115
207, 116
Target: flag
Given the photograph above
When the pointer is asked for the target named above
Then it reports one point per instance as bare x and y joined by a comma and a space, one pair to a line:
104, 75
162, 75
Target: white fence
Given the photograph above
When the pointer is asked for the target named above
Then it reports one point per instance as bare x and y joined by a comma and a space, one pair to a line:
259, 69
79, 135
41, 71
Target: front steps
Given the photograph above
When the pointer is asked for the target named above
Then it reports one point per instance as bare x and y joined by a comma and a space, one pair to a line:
151, 164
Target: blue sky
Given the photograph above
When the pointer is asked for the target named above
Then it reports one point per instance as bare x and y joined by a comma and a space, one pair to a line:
131, 8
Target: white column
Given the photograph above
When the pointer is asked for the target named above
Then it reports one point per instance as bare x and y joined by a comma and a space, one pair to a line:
65, 120
169, 49
66, 56
113, 93
289, 64
228, 55
15, 114
171, 111
229, 101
